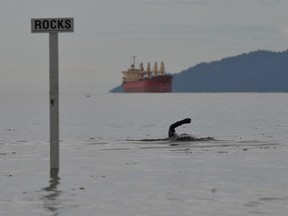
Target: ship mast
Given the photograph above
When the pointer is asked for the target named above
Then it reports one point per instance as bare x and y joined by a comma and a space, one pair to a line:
162, 68
134, 60
149, 70
155, 69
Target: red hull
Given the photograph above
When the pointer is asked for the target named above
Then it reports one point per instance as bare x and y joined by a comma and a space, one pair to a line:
155, 84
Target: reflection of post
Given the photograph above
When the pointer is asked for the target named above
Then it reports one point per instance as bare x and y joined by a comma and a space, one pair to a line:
54, 101
54, 181
50, 200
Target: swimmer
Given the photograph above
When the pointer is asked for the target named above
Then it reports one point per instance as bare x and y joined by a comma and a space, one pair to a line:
171, 132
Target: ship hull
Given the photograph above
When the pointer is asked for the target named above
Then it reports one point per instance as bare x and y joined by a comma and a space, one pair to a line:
157, 84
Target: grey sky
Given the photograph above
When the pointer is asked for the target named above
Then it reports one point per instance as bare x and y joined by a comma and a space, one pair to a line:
108, 33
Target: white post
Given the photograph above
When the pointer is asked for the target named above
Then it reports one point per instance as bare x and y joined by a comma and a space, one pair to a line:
54, 101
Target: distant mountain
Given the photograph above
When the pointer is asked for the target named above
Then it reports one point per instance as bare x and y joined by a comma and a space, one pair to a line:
258, 71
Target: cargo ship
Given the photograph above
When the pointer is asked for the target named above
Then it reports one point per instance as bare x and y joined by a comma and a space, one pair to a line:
139, 80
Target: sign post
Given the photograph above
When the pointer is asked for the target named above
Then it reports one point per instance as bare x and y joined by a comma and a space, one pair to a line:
54, 100
53, 26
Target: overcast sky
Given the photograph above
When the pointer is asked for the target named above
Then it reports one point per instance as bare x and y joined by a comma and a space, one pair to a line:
108, 33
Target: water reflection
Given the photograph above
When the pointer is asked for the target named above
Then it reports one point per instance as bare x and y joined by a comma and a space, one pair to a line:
51, 198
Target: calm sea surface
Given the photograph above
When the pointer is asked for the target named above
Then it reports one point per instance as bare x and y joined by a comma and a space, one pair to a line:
115, 160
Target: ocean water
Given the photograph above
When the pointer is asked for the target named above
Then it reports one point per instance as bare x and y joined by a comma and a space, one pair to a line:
115, 158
